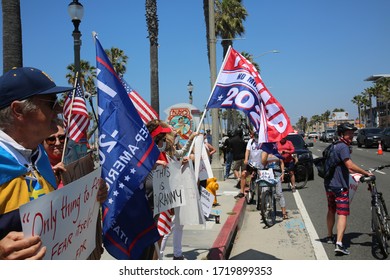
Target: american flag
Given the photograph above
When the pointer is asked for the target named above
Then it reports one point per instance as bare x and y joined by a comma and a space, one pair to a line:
145, 111
76, 119
164, 222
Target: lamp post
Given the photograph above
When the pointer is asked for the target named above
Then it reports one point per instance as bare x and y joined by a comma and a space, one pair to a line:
190, 87
264, 53
76, 12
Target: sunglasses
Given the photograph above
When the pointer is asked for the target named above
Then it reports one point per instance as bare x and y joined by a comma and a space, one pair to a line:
53, 102
53, 139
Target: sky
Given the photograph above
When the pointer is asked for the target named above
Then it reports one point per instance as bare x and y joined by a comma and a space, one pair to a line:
326, 48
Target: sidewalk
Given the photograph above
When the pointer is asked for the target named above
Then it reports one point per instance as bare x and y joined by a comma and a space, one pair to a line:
215, 238
237, 239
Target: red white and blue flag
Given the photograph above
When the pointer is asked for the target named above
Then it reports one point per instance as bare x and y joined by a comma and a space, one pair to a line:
145, 111
239, 86
76, 118
127, 155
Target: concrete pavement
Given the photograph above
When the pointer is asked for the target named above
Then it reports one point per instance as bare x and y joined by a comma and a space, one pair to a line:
238, 238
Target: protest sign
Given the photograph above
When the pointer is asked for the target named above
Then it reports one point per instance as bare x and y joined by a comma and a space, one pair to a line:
65, 219
206, 200
168, 193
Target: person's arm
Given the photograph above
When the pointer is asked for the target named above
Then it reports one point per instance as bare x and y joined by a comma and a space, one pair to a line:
246, 157
14, 246
354, 168
211, 148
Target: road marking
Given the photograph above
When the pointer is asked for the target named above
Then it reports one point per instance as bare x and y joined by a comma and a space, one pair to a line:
381, 172
319, 250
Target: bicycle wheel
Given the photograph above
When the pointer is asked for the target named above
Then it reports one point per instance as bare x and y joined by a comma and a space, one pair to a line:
301, 176
258, 196
379, 228
268, 208
386, 216
251, 193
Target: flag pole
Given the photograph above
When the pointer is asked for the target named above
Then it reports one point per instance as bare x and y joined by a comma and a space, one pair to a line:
70, 114
215, 83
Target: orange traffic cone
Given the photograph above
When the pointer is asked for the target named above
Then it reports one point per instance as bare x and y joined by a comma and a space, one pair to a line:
380, 151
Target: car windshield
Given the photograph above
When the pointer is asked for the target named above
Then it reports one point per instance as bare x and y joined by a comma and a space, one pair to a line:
297, 141
373, 130
331, 131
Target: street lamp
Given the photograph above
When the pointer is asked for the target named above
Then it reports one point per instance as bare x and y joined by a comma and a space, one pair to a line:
190, 87
76, 12
264, 53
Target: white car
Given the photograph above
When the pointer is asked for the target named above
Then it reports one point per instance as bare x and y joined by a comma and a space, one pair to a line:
315, 135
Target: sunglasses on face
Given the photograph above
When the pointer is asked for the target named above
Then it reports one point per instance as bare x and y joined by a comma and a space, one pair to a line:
53, 139
53, 102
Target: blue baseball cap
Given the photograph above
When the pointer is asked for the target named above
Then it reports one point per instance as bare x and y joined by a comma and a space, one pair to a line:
24, 82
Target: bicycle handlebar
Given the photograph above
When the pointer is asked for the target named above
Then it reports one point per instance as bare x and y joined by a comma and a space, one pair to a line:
366, 179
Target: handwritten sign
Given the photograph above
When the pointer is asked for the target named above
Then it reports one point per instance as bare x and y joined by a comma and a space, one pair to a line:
65, 219
206, 200
167, 193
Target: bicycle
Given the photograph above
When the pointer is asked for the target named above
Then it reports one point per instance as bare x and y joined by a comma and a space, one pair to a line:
254, 189
379, 213
268, 199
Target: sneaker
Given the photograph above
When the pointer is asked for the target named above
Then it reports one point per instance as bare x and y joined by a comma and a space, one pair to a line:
240, 195
341, 250
331, 239
180, 258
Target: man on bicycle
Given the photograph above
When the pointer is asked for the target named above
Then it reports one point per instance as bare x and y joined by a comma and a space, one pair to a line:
252, 158
337, 186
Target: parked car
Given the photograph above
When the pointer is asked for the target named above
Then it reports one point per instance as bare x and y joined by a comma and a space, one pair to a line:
369, 136
329, 135
305, 156
313, 135
385, 138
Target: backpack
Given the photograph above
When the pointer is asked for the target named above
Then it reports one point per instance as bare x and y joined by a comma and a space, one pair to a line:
327, 164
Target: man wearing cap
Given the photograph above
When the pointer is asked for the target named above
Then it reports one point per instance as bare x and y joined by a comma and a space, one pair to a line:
337, 187
28, 110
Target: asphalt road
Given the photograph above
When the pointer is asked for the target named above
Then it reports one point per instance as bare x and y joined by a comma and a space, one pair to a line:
303, 235
358, 236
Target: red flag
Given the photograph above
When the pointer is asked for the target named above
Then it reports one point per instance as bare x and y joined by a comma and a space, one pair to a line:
145, 111
239, 86
76, 118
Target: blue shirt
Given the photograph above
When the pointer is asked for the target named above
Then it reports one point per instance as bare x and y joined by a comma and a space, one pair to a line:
340, 178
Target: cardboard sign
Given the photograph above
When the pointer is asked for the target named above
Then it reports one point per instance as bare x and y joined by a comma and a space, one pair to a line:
167, 188
206, 200
65, 219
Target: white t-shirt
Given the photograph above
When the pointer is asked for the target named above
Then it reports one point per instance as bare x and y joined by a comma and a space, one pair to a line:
254, 152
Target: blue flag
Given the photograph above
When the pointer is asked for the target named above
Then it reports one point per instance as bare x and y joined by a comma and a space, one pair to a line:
271, 148
127, 154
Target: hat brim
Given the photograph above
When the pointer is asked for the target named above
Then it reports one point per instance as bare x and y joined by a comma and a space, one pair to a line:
55, 90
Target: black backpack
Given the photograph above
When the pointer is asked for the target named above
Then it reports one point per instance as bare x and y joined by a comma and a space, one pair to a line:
327, 164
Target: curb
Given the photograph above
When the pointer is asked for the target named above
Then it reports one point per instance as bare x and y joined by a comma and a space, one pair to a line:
221, 247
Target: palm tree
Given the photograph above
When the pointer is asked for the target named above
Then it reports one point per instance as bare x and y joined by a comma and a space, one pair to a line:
359, 100
370, 92
383, 86
229, 18
152, 24
12, 35
229, 21
118, 60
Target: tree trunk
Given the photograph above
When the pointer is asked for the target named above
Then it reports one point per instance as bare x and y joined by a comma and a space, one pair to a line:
12, 35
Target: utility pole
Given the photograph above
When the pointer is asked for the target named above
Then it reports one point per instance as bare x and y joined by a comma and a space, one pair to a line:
216, 163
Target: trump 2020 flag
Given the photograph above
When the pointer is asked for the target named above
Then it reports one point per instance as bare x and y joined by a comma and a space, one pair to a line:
127, 153
239, 86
